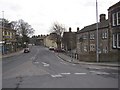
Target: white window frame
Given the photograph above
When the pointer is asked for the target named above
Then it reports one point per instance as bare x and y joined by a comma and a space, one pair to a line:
92, 36
113, 19
103, 35
92, 47
118, 18
114, 46
10, 34
118, 35
7, 33
85, 48
105, 49
106, 34
3, 33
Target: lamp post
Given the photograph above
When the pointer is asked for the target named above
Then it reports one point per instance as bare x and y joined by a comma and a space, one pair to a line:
97, 42
2, 33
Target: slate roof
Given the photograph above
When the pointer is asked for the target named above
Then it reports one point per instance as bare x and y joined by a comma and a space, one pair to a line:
115, 5
103, 24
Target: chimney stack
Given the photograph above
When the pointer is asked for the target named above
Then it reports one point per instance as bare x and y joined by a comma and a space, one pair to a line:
69, 29
102, 17
77, 29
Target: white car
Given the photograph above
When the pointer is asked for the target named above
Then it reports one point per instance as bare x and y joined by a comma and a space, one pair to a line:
26, 50
51, 48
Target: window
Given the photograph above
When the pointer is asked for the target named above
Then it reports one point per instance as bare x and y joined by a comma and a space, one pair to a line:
92, 36
3, 33
118, 18
85, 48
114, 19
10, 34
105, 50
85, 36
92, 47
118, 40
7, 33
105, 34
114, 41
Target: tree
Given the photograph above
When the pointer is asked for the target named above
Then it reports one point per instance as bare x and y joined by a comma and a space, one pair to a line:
5, 23
57, 31
23, 29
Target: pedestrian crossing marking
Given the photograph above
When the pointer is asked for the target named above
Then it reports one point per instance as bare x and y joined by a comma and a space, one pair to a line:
58, 75
65, 73
80, 73
100, 73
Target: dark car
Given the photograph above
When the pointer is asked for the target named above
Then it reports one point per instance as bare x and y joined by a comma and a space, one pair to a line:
26, 50
59, 50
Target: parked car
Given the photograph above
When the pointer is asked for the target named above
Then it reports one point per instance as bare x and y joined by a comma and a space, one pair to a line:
26, 50
59, 50
51, 48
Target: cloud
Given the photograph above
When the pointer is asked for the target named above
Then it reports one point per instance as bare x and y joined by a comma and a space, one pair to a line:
42, 13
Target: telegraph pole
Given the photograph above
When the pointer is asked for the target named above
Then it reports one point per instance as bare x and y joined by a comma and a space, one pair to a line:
97, 42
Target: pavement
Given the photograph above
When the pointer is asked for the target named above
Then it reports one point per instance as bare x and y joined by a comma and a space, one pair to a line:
75, 61
42, 68
71, 60
12, 54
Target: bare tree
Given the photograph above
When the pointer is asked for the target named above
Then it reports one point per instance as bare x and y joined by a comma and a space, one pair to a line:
23, 29
57, 31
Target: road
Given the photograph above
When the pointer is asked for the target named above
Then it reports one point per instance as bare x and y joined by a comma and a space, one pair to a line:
42, 68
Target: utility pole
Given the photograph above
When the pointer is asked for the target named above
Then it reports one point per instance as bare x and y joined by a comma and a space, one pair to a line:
97, 42
3, 42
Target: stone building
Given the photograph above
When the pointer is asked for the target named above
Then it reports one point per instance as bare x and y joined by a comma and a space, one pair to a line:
114, 26
86, 41
49, 41
8, 42
69, 40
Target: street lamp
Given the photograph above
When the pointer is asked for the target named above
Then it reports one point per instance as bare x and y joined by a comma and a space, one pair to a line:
97, 42
2, 32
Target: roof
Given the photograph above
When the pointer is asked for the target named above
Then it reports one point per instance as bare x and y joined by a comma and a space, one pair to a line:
103, 24
115, 5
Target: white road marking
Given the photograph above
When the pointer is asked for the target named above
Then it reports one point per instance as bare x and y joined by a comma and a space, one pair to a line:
56, 75
36, 62
65, 73
94, 68
92, 71
73, 64
100, 73
114, 73
63, 63
80, 73
32, 58
45, 64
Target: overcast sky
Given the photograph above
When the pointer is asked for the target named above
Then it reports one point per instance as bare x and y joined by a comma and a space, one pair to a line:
41, 14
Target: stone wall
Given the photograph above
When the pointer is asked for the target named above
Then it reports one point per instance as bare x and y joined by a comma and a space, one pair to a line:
109, 57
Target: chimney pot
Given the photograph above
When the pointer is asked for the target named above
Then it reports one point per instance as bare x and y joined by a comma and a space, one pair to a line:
102, 17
